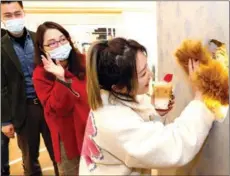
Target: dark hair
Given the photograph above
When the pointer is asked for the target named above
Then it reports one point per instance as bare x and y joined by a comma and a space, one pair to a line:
8, 2
3, 32
76, 59
111, 63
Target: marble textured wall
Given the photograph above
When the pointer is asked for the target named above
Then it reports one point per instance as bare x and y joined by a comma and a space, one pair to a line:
177, 21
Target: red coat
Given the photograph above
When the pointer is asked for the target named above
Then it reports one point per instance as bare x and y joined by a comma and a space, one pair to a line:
65, 113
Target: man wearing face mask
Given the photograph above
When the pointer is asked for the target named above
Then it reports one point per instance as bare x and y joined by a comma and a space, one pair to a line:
21, 111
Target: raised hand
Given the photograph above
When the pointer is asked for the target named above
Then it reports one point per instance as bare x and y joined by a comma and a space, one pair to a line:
193, 66
53, 68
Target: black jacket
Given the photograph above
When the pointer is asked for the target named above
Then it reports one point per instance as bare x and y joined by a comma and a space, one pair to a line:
13, 95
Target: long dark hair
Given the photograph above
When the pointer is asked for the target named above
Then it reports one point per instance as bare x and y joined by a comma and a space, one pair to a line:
76, 60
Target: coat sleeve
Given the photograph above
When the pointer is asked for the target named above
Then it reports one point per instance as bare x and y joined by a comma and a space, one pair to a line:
151, 144
56, 97
5, 97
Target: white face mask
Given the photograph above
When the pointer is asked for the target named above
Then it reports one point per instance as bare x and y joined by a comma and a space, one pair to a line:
60, 53
15, 26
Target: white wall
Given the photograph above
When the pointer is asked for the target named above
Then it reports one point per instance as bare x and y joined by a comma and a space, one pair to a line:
178, 20
78, 25
33, 20
141, 26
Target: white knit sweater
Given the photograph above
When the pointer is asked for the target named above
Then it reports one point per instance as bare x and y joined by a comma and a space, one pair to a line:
122, 138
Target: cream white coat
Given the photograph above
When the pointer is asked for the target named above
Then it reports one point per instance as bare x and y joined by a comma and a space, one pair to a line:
130, 140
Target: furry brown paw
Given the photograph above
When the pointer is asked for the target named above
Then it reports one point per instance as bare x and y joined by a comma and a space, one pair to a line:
212, 81
192, 49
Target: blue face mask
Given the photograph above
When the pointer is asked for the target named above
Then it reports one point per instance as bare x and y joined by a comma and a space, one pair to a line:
60, 53
15, 26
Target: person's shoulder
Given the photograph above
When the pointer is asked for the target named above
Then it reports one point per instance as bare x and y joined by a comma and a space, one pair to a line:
112, 120
116, 112
38, 72
41, 76
31, 32
81, 56
3, 39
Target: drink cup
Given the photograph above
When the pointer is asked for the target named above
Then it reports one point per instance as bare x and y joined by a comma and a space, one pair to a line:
162, 94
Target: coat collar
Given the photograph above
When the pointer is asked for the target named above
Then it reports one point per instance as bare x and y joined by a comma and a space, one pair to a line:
143, 106
9, 49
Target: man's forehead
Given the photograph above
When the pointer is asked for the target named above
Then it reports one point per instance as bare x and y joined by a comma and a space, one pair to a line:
11, 7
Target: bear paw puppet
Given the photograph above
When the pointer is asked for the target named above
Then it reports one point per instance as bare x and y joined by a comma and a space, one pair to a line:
211, 78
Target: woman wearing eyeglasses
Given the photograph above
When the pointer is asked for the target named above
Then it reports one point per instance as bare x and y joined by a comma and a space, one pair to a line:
60, 72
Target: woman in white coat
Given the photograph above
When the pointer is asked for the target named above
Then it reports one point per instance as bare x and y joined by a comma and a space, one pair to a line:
122, 137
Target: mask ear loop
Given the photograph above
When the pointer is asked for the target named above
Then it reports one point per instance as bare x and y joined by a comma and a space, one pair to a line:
46, 54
